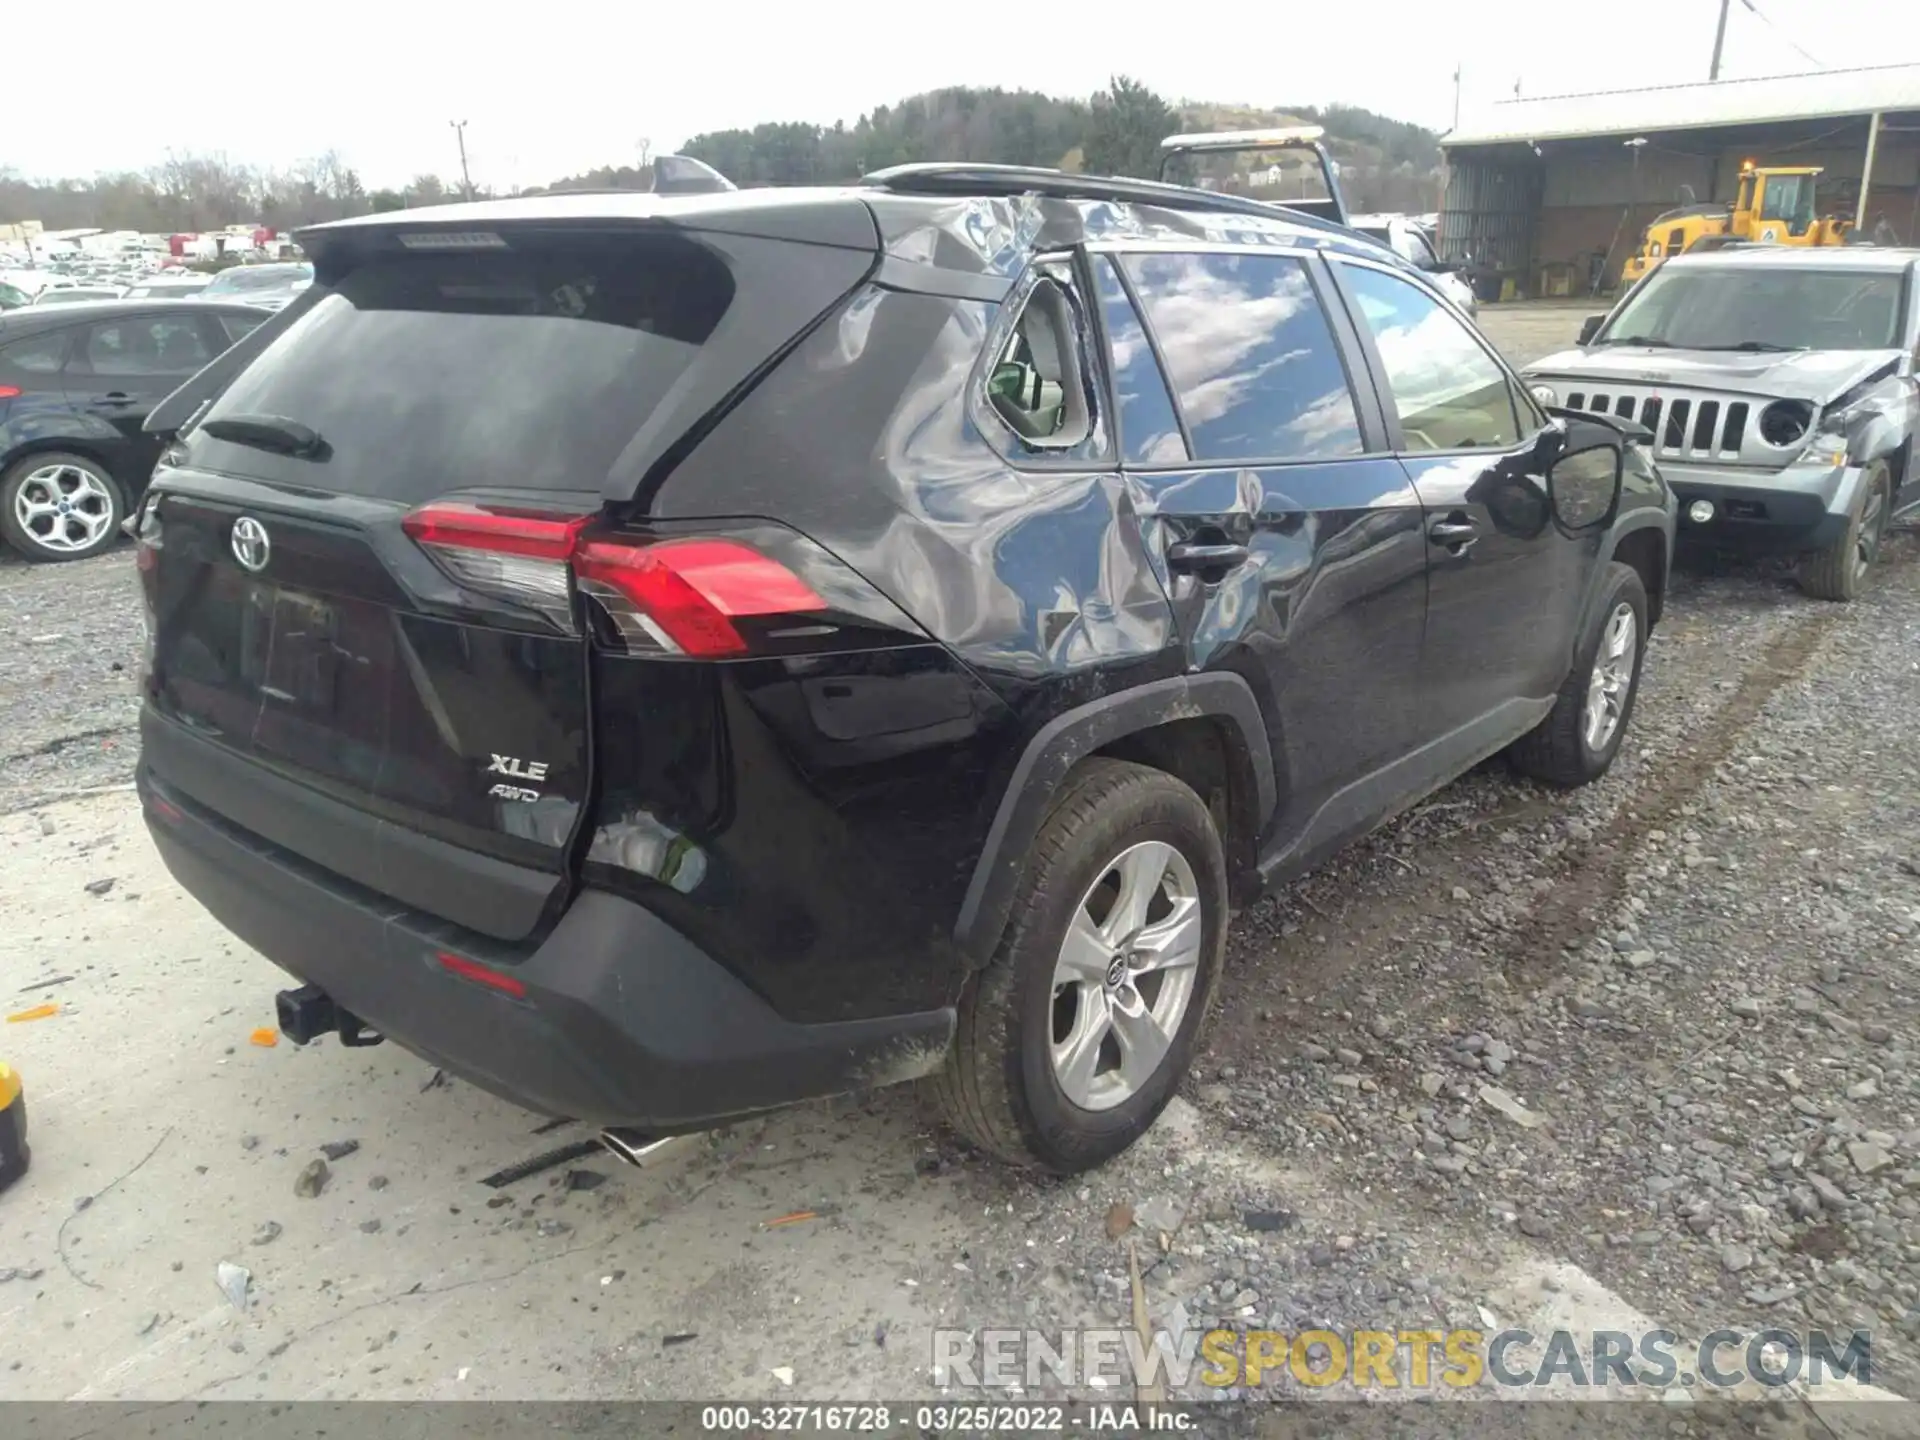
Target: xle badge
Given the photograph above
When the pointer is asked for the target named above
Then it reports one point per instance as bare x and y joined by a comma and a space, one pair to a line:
519, 770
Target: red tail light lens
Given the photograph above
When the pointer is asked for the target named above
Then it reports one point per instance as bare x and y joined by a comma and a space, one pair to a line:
516, 555
499, 531
677, 597
681, 594
9, 392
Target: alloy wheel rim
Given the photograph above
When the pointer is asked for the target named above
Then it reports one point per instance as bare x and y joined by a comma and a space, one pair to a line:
1125, 975
1867, 544
63, 507
1612, 676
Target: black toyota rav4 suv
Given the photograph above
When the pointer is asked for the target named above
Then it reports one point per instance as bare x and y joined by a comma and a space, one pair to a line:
666, 658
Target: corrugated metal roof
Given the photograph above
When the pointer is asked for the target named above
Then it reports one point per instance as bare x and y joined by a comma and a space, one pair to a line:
1825, 94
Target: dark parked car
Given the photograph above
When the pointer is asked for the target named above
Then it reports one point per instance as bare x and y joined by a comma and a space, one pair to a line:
663, 659
76, 383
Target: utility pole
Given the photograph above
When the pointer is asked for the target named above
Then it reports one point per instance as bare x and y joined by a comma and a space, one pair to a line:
1719, 40
1456, 95
466, 180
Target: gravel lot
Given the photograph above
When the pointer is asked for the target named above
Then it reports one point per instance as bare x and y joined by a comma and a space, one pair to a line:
1697, 977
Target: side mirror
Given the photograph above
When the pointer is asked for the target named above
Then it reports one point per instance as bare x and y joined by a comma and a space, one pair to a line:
1590, 327
1584, 484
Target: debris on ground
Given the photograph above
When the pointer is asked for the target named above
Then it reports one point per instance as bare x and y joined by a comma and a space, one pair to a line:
267, 1233
782, 1373
339, 1149
101, 886
47, 984
263, 1037
680, 1337
795, 1217
234, 1280
1511, 1107
1119, 1219
312, 1179
1267, 1221
1160, 1213
584, 1180
38, 1012
547, 1160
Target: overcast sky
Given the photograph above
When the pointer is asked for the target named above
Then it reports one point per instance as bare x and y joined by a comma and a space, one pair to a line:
553, 89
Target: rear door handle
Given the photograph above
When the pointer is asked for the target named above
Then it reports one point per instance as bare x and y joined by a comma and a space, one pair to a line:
1454, 533
1188, 557
112, 397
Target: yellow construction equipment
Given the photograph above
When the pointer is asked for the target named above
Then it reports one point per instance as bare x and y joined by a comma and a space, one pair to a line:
1774, 206
13, 1126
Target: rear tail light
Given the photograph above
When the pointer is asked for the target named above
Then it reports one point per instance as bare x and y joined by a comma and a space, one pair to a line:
680, 596
515, 555
677, 596
9, 392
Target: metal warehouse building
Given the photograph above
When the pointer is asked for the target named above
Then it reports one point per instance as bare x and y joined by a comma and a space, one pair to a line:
1545, 194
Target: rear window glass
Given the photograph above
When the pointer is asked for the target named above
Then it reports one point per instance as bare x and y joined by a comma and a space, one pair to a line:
145, 345
36, 355
1249, 350
1149, 432
523, 369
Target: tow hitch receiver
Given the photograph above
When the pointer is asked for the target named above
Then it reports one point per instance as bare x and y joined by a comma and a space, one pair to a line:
309, 1012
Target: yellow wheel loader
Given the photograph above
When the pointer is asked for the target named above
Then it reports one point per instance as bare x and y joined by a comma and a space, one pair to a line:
1774, 206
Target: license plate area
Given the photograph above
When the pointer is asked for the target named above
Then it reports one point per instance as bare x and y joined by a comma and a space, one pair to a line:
301, 663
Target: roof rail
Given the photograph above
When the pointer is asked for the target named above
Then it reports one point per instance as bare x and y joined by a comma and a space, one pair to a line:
962, 178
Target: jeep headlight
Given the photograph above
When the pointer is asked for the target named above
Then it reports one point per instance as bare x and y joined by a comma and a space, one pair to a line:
1545, 394
1827, 439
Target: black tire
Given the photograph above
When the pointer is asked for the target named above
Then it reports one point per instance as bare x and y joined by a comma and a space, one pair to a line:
1839, 572
36, 545
1557, 750
999, 1087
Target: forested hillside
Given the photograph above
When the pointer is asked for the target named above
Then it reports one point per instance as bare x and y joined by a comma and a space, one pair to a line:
1386, 164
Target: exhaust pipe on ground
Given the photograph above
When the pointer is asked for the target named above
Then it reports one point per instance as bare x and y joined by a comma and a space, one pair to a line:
636, 1147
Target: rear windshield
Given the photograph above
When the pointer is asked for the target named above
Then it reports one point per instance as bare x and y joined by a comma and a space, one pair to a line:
520, 369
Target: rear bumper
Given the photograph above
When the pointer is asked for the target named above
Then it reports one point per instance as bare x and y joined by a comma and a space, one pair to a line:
1765, 512
624, 1021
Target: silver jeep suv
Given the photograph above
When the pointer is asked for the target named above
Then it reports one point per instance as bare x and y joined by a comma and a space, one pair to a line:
1779, 389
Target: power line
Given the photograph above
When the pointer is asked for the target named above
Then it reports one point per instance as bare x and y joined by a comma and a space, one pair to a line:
1768, 21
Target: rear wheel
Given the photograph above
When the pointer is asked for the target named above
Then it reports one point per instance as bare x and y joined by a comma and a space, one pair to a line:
1840, 571
1074, 1037
1577, 741
55, 506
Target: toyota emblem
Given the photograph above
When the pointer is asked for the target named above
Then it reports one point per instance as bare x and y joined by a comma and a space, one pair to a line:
250, 544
